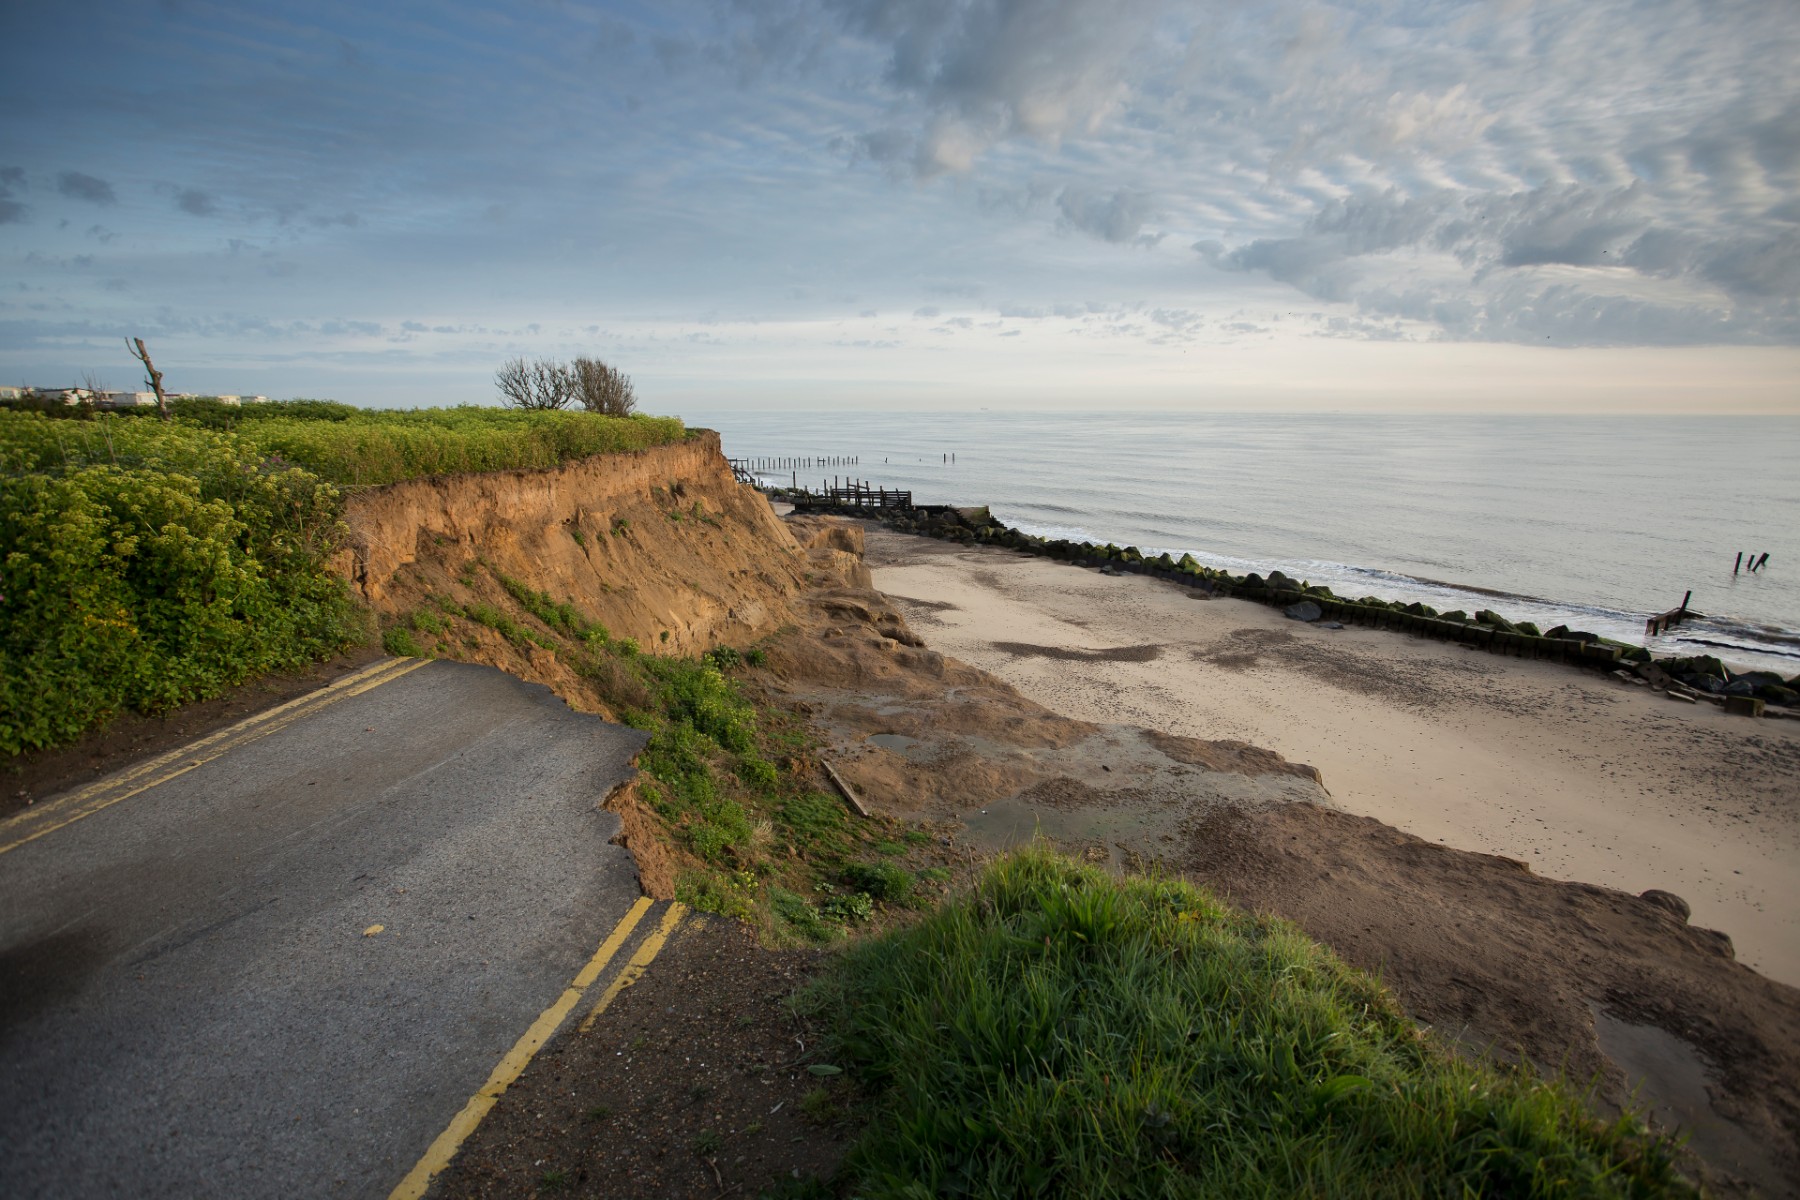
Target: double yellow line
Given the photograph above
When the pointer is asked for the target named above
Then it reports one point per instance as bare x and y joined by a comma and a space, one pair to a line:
34, 823
549, 1021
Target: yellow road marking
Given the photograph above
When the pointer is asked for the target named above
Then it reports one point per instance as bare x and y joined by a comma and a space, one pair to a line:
441, 1151
639, 961
68, 809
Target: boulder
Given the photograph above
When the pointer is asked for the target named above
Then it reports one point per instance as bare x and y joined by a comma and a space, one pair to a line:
1253, 580
1706, 664
1775, 693
1668, 901
1455, 614
1759, 678
1306, 610
1281, 582
1489, 617
1528, 628
1739, 687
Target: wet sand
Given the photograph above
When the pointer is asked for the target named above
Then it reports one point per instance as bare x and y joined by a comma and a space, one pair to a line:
1584, 777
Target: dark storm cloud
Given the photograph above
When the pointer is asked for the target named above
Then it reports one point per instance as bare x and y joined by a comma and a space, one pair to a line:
195, 202
85, 187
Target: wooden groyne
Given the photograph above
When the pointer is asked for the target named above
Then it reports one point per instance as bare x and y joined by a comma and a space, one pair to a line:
858, 496
1663, 622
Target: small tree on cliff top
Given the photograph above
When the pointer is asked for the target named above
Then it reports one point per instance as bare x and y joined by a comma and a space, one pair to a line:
604, 389
536, 385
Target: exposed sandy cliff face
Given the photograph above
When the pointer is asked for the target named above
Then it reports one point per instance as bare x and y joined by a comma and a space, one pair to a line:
651, 542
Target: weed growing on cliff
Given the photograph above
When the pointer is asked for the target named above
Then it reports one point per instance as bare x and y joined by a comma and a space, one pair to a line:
560, 616
1057, 1031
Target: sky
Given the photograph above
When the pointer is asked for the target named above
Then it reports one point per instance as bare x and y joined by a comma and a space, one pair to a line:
1530, 205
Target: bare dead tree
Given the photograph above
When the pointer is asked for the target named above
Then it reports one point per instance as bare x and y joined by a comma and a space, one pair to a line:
539, 384
94, 386
152, 376
604, 389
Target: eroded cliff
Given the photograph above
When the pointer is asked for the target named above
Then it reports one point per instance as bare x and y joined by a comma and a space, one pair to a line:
660, 545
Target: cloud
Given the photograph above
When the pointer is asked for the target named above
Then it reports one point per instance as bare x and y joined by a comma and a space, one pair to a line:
11, 211
195, 202
85, 187
1569, 263
1115, 218
988, 70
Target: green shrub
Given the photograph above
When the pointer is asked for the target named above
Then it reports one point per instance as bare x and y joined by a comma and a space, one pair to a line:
710, 891
145, 564
794, 912
399, 642
848, 910
707, 840
882, 881
759, 775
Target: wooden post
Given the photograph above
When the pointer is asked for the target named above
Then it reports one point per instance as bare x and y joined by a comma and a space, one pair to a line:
856, 805
155, 376
1738, 563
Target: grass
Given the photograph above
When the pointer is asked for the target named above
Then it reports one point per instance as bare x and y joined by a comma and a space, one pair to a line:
348, 446
1060, 1032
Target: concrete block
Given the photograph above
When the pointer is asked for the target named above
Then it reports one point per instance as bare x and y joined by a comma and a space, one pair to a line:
1744, 706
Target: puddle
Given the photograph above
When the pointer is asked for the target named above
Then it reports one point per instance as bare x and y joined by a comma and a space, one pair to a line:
1671, 1078
897, 742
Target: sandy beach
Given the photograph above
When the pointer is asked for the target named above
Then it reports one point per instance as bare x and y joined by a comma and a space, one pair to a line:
1583, 777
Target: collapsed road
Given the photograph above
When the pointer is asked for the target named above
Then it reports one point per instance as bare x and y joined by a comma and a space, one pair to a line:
291, 958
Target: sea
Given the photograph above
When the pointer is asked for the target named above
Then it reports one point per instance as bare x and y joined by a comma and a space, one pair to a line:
1594, 522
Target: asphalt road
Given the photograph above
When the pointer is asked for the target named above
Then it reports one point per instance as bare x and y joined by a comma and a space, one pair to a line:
190, 1004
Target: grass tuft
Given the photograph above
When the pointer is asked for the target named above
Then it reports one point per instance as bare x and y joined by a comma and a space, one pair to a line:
1057, 1031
